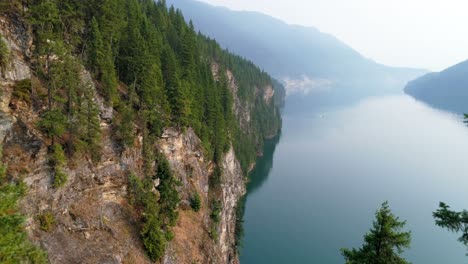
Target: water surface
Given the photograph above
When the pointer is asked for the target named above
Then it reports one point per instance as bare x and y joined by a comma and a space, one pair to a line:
317, 189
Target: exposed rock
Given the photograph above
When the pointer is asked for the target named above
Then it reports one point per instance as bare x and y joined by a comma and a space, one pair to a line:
94, 222
268, 94
17, 37
106, 112
241, 109
233, 188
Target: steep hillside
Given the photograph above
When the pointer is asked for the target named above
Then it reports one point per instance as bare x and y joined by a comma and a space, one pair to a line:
302, 57
126, 136
447, 89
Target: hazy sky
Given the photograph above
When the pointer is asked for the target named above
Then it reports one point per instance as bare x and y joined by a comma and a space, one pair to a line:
414, 33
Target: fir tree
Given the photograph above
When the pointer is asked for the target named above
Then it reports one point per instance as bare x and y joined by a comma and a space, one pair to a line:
453, 221
169, 196
384, 243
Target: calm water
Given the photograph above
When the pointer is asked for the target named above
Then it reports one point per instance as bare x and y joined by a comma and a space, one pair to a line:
319, 184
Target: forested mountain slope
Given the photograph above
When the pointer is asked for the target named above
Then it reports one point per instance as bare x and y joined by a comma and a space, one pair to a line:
447, 89
126, 135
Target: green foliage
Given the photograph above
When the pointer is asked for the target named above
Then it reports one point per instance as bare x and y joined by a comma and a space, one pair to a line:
153, 237
195, 202
101, 62
60, 178
22, 90
46, 221
58, 161
384, 243
72, 115
14, 244
156, 72
215, 215
45, 19
58, 156
453, 221
216, 208
165, 72
142, 197
168, 194
239, 231
157, 215
216, 177
124, 131
89, 125
53, 123
4, 55
214, 232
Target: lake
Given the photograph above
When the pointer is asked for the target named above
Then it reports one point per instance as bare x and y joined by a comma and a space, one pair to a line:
319, 183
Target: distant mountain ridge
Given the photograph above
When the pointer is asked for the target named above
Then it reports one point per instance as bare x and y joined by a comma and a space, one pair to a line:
446, 90
308, 58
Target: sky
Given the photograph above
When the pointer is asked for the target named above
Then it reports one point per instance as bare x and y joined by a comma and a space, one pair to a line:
425, 34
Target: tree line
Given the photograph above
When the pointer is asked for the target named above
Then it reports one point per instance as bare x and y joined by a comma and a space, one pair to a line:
155, 71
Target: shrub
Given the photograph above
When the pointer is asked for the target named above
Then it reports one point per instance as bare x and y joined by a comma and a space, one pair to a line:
22, 90
216, 208
58, 160
14, 244
60, 178
4, 54
214, 232
46, 221
195, 202
215, 178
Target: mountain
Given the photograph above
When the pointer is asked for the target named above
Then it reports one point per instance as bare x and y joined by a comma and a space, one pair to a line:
303, 58
125, 135
447, 90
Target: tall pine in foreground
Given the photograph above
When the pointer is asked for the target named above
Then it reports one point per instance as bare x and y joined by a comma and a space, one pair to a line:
384, 243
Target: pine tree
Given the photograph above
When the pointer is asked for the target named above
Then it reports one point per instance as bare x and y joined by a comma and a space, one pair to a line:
95, 48
124, 125
169, 196
153, 99
454, 221
175, 90
100, 61
91, 125
384, 243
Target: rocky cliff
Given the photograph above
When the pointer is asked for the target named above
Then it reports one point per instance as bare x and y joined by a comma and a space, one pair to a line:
93, 221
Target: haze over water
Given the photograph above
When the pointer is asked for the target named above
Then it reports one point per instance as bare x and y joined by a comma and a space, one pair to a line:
318, 190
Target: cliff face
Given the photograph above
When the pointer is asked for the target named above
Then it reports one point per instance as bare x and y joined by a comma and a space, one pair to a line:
94, 222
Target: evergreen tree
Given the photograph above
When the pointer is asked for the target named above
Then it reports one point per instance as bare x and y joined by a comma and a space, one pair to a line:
45, 18
169, 196
124, 131
91, 125
152, 234
95, 48
14, 244
454, 221
101, 62
384, 243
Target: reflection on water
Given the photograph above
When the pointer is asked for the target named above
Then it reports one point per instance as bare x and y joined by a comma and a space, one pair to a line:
316, 190
264, 164
257, 177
